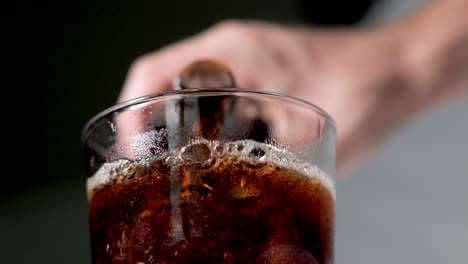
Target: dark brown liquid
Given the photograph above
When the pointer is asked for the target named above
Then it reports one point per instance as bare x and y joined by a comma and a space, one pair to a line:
207, 208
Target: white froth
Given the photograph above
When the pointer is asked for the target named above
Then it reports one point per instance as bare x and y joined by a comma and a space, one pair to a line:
149, 144
272, 155
244, 150
109, 171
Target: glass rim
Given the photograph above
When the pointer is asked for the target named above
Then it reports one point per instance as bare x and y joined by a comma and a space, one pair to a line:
147, 98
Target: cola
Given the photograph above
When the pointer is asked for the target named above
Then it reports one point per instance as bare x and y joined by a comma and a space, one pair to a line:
212, 202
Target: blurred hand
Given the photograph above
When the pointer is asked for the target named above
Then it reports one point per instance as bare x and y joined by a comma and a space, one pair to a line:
355, 76
369, 80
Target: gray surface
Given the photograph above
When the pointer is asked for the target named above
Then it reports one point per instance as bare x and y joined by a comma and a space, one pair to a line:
385, 11
410, 204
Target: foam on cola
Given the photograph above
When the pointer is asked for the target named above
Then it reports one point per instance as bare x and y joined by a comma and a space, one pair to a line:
212, 202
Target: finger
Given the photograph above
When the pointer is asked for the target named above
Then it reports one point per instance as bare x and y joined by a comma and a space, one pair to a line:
155, 72
151, 74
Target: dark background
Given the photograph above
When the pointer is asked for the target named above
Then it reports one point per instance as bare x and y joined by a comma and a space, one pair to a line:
67, 61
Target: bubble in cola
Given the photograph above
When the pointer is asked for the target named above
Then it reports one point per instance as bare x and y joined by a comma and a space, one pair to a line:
212, 202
